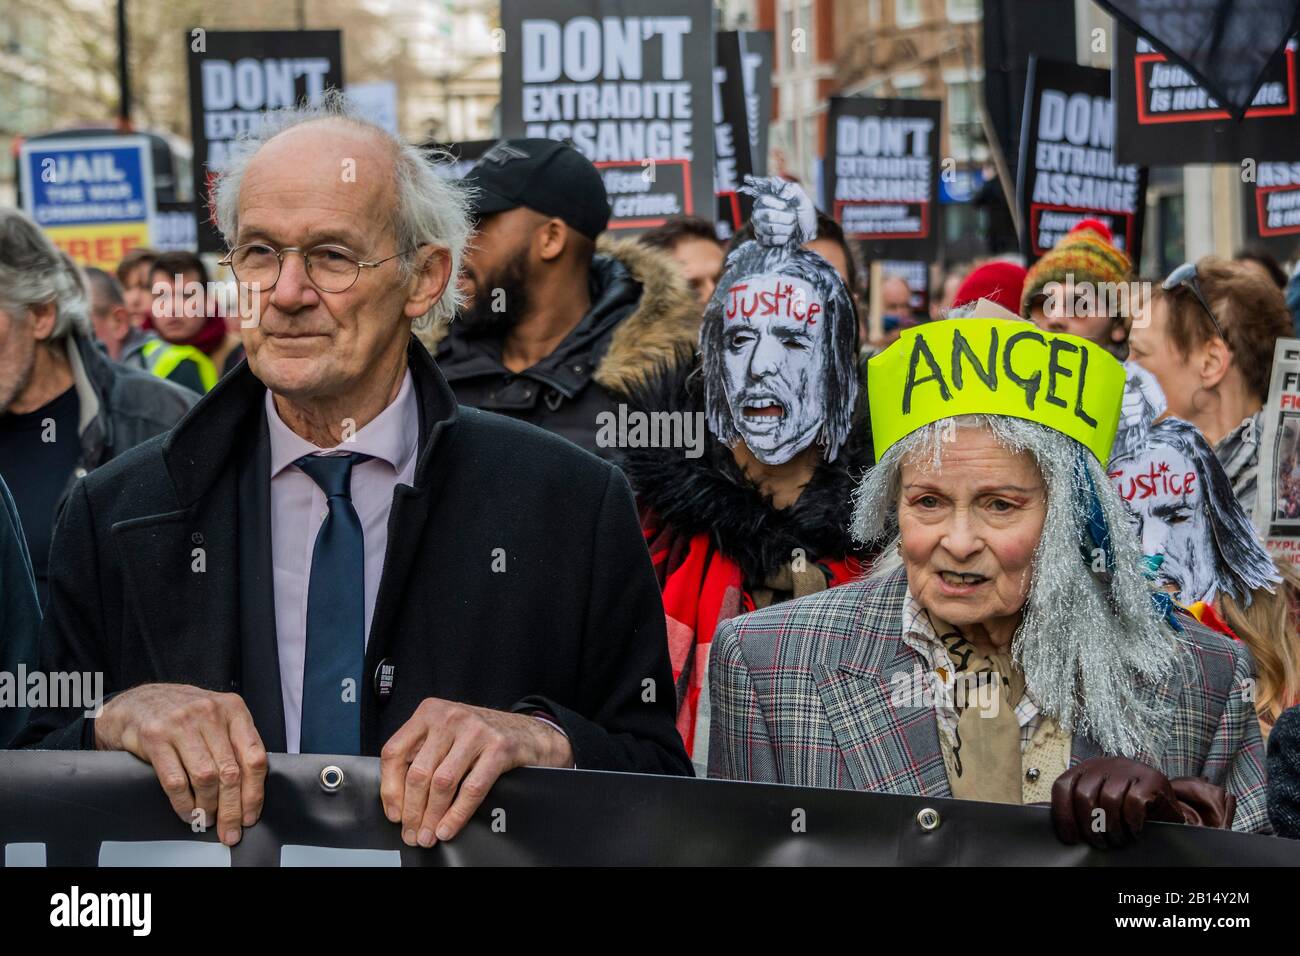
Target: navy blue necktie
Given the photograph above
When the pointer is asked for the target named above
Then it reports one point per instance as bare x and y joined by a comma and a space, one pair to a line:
336, 615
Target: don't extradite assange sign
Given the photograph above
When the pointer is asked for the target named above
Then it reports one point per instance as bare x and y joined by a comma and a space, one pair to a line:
882, 174
236, 78
630, 84
1068, 170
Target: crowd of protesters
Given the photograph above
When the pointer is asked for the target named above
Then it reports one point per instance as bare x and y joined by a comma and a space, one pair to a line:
408, 462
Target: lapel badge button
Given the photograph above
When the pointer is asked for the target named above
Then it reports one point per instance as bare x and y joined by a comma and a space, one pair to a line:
384, 679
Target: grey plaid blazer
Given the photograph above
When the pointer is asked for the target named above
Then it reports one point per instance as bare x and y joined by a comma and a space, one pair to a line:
801, 694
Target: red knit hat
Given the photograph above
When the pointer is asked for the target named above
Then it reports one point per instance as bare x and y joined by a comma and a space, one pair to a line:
999, 281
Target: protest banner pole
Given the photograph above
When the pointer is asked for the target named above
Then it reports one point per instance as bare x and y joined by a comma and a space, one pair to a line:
123, 70
995, 145
1001, 167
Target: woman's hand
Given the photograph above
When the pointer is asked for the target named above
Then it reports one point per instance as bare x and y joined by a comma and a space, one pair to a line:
1107, 800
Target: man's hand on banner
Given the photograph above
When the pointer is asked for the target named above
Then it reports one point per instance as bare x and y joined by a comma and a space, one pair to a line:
202, 745
783, 213
436, 770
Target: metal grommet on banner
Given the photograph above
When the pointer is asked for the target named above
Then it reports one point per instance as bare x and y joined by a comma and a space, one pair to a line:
928, 819
331, 778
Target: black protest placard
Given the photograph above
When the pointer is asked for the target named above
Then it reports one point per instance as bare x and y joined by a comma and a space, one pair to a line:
174, 228
757, 65
1068, 171
882, 174
1272, 204
236, 77
733, 155
1166, 119
630, 84
917, 277
1227, 45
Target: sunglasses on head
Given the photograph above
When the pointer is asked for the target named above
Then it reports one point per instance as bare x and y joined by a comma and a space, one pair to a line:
1185, 276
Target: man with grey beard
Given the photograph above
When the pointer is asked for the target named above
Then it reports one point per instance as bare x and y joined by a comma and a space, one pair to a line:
65, 408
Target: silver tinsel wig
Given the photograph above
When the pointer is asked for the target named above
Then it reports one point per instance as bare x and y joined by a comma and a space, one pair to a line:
1091, 643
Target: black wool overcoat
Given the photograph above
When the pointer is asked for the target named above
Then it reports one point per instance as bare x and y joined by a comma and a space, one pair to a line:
516, 578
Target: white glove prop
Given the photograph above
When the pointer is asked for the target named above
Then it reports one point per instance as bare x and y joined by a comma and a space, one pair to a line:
783, 213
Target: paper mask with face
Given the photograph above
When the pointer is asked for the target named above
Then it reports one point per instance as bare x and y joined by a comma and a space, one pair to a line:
777, 344
774, 364
1185, 512
1143, 403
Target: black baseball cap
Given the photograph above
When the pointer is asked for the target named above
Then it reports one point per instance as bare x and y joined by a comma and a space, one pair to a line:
545, 175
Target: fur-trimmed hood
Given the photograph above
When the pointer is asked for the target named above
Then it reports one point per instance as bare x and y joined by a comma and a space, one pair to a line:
710, 493
662, 329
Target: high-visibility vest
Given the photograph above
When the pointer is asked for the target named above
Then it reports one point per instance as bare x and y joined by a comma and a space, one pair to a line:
161, 358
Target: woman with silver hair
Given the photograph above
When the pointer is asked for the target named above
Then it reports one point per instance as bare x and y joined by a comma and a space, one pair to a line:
1007, 647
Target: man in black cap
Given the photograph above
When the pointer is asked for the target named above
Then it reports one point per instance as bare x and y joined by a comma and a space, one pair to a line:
555, 326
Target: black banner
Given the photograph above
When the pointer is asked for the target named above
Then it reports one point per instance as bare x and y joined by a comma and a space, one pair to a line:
1012, 32
882, 174
1272, 204
756, 58
96, 809
1165, 119
630, 84
1068, 171
1227, 45
235, 77
742, 84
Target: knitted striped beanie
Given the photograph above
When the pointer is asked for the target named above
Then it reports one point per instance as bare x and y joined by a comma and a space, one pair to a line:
1085, 254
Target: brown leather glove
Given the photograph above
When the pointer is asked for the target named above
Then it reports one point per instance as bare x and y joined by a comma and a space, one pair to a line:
1126, 792
1204, 804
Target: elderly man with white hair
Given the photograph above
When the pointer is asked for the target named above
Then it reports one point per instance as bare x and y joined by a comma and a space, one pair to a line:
330, 556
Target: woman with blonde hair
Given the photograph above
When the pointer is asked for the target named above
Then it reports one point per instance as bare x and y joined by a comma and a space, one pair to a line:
1267, 626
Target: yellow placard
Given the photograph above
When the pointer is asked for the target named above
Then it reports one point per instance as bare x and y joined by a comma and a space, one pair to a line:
996, 367
102, 245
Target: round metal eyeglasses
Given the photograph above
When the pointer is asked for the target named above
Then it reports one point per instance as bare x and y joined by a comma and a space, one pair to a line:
330, 268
